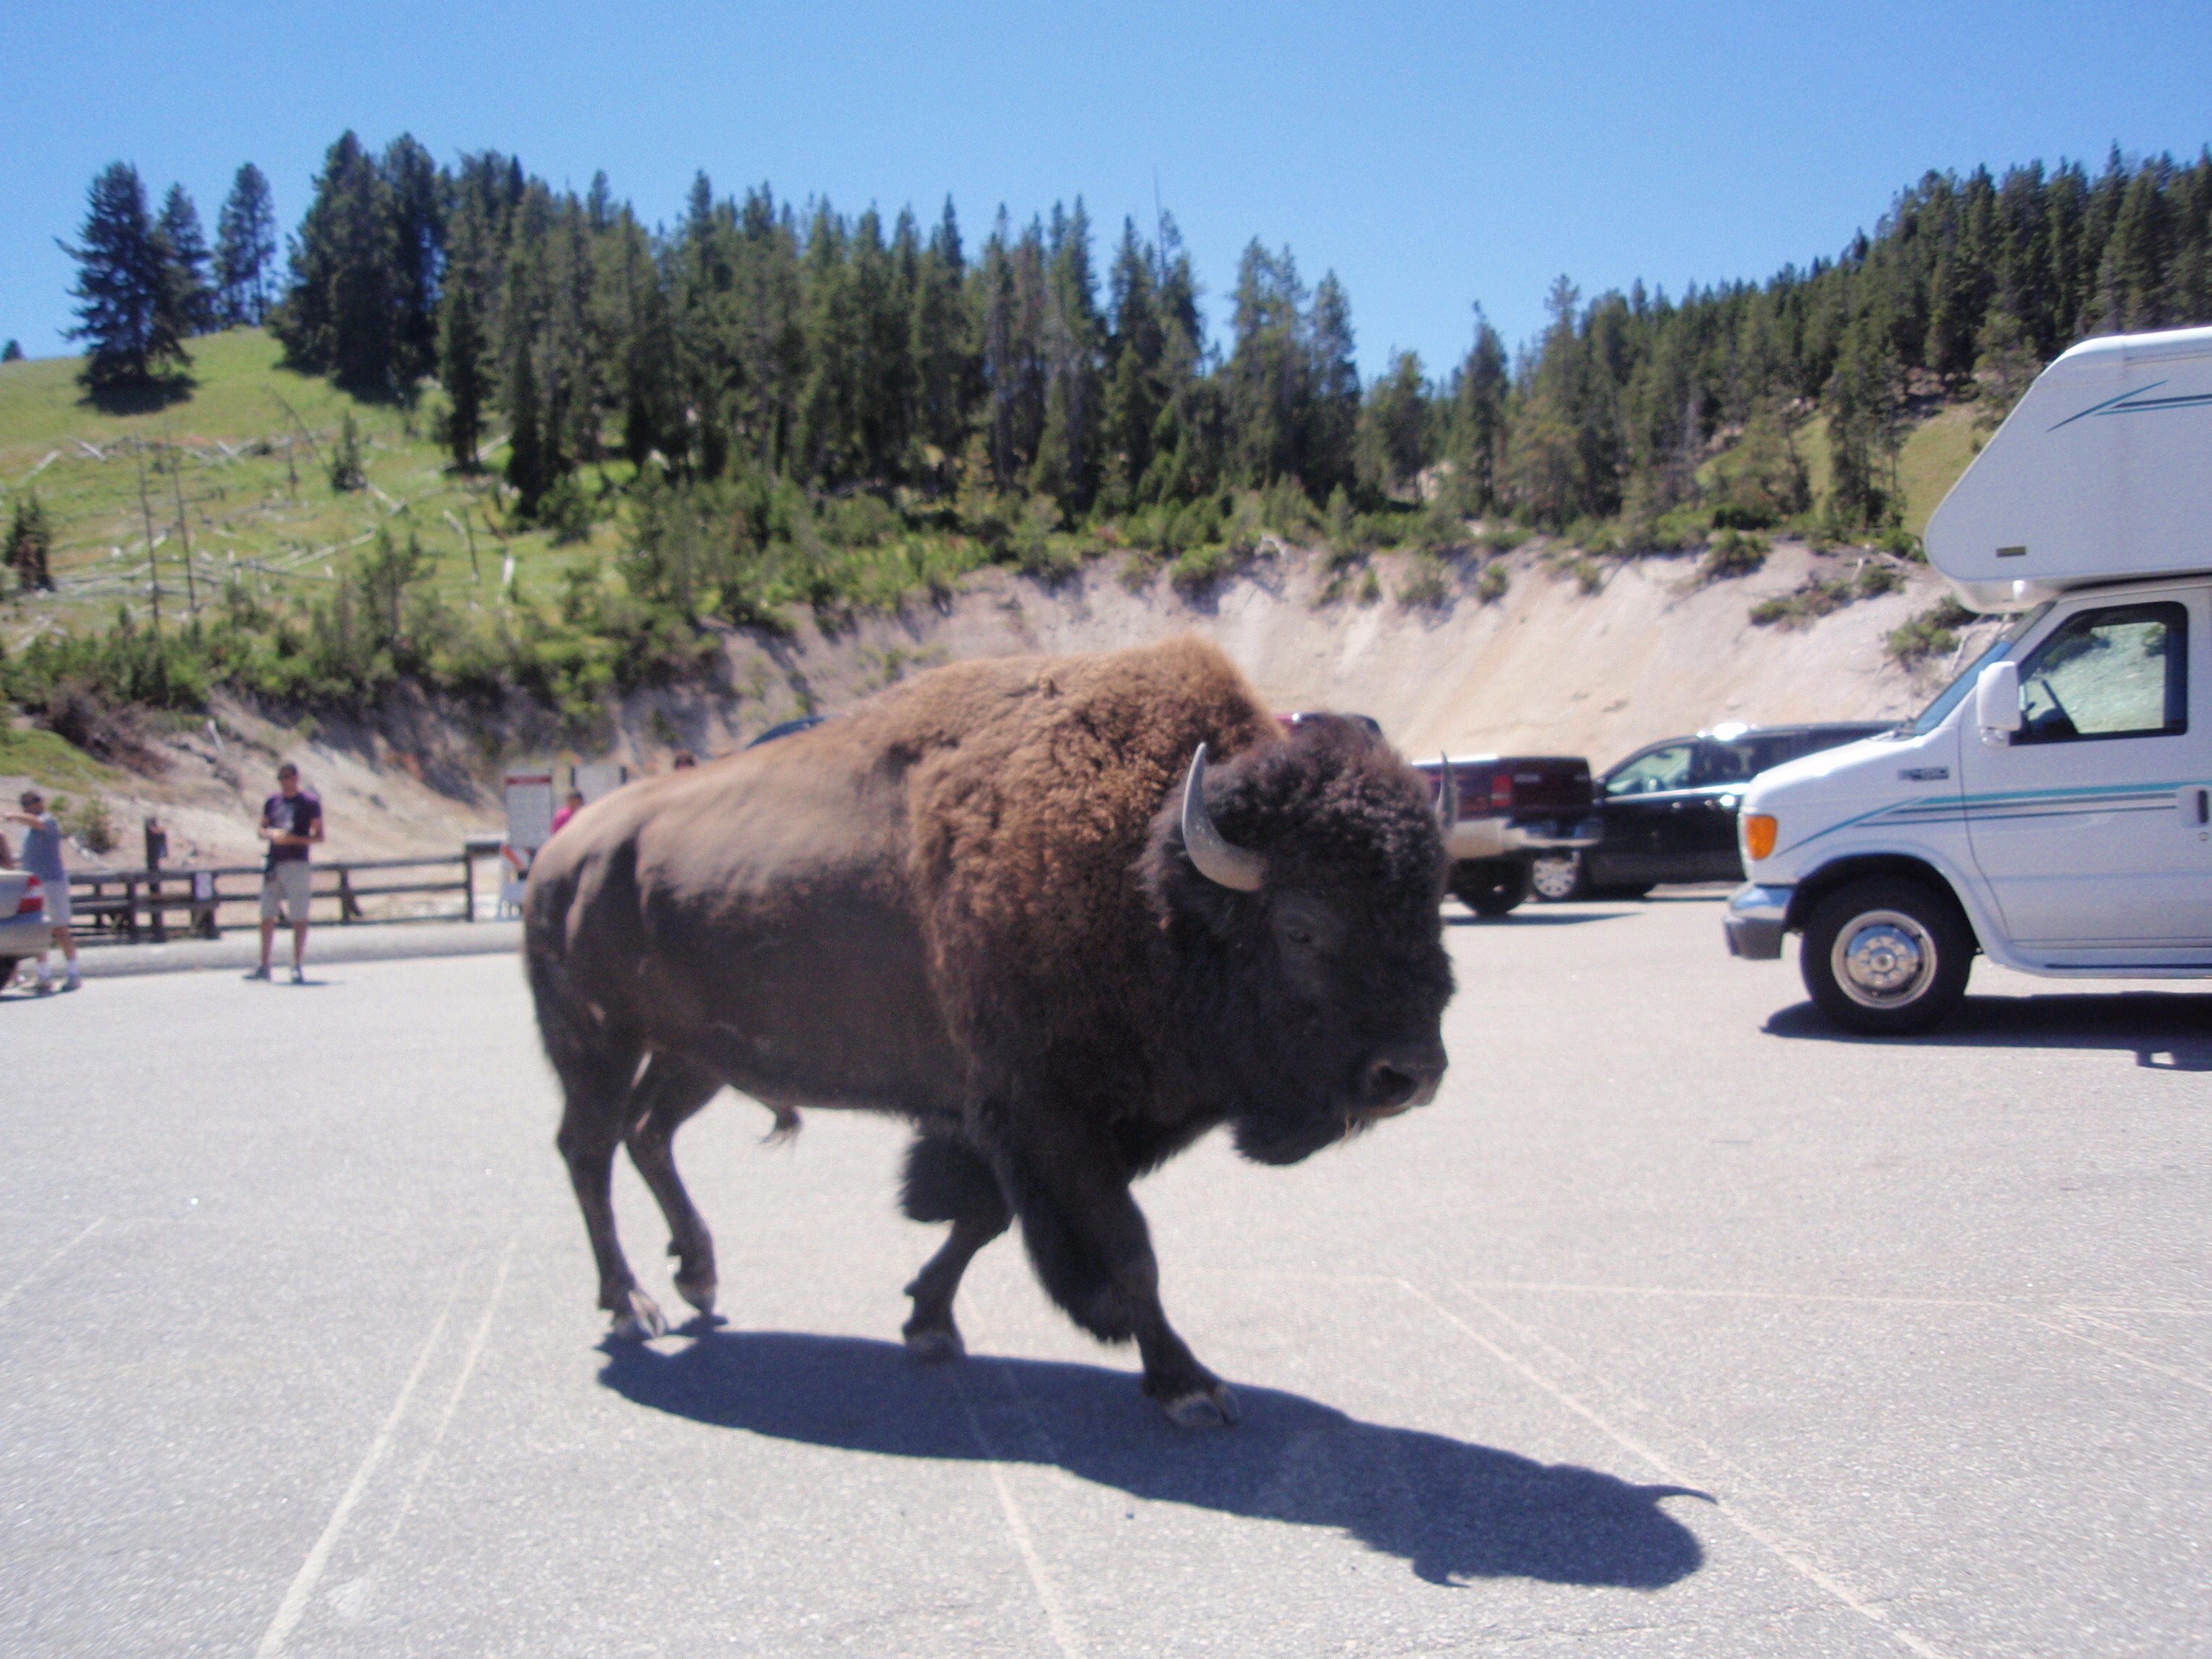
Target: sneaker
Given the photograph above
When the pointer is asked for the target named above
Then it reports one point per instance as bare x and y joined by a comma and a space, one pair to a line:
46, 987
262, 972
72, 983
299, 976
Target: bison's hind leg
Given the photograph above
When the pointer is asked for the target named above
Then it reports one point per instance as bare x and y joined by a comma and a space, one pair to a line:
947, 1180
669, 1091
597, 1067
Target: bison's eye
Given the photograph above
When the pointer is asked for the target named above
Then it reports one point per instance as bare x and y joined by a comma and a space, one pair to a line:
1306, 925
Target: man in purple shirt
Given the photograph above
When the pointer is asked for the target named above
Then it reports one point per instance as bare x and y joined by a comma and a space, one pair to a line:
291, 822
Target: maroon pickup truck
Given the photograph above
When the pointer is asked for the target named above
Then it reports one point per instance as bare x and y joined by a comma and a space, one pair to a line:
1513, 811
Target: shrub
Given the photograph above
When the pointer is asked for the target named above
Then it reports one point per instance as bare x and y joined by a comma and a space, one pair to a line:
345, 467
566, 510
1427, 585
1733, 554
1932, 633
1875, 578
1816, 598
1490, 585
1736, 516
90, 821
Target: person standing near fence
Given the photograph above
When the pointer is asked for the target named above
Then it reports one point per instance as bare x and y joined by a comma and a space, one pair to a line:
42, 857
291, 822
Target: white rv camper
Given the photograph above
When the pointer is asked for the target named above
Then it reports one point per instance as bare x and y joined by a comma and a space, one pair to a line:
2052, 809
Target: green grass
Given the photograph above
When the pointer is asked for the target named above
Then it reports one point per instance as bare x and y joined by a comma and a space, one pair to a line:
265, 512
1936, 452
52, 761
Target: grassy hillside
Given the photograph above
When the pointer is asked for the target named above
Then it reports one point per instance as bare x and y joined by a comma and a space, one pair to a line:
280, 567
248, 450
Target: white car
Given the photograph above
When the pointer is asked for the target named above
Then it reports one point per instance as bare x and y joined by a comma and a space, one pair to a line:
23, 930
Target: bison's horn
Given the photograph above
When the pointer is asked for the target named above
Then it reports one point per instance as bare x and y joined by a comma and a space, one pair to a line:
1217, 860
1447, 798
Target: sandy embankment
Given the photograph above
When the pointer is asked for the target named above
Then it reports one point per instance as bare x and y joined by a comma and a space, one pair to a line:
1546, 668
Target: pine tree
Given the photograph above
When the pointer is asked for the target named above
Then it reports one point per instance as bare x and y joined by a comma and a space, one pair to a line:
1267, 382
123, 286
246, 248
530, 468
463, 370
937, 344
337, 316
1327, 444
12, 352
1478, 415
184, 245
411, 206
1392, 427
30, 543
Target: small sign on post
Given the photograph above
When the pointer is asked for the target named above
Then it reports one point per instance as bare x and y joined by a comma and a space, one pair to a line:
594, 779
529, 810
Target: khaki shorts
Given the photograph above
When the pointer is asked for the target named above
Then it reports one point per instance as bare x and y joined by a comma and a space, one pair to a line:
284, 891
58, 901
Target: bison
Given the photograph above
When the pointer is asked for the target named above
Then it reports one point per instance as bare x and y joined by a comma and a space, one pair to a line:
1062, 914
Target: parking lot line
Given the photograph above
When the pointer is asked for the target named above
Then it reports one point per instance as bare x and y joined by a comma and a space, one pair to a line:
460, 1386
2118, 1352
1794, 1559
17, 1289
311, 1570
1063, 1633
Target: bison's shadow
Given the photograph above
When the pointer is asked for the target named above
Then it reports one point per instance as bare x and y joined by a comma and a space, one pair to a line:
1451, 1509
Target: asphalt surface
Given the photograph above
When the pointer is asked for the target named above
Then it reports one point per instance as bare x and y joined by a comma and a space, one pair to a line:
1677, 1325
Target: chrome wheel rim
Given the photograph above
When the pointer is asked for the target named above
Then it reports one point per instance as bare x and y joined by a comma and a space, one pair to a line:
1553, 878
1883, 958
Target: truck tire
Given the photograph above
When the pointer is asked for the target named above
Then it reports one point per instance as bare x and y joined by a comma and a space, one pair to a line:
1490, 887
1559, 877
8, 971
1886, 958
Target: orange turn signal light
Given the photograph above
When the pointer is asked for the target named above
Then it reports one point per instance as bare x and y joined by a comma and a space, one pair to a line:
1759, 832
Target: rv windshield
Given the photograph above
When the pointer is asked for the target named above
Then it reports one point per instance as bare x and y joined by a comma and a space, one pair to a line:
1938, 711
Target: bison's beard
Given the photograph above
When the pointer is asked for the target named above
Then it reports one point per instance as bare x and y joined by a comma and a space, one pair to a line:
1290, 1137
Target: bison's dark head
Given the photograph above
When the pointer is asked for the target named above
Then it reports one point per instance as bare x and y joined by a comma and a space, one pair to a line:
1297, 891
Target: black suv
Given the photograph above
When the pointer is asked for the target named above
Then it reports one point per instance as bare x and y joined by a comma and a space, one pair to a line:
1669, 809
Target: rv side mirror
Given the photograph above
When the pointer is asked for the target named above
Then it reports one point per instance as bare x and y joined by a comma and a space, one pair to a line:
1996, 702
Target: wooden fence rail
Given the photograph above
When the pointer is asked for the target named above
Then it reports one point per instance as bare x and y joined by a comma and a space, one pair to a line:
123, 906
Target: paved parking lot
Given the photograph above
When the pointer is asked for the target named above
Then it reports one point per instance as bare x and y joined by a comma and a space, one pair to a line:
1677, 1325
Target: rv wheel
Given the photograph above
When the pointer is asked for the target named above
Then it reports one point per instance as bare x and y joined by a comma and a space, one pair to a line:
1886, 958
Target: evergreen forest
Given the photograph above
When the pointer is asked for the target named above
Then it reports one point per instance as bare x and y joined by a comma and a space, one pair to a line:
772, 405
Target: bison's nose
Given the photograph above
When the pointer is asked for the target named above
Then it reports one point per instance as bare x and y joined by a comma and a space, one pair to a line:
1398, 1078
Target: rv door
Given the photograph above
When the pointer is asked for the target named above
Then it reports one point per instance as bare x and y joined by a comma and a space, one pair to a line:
2074, 821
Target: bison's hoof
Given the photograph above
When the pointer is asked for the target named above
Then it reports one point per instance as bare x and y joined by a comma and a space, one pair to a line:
1202, 1408
640, 1320
700, 1293
934, 1347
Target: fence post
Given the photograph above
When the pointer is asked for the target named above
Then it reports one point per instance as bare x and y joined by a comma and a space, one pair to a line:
348, 906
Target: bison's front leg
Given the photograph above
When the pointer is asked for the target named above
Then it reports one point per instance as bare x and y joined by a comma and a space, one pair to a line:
947, 1180
1094, 1253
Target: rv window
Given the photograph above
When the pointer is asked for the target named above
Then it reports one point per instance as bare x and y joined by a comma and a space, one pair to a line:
2116, 672
1940, 710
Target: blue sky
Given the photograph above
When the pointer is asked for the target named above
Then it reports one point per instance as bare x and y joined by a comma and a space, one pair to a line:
1432, 154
